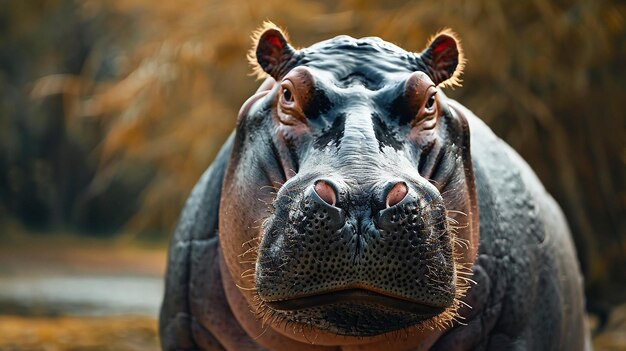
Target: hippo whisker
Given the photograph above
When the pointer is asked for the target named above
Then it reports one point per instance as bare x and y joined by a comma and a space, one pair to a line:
250, 255
249, 275
468, 271
247, 271
275, 186
465, 304
246, 262
246, 289
467, 280
452, 223
463, 243
251, 250
249, 242
458, 212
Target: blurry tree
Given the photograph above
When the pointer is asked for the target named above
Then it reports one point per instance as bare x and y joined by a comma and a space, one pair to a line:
46, 160
158, 85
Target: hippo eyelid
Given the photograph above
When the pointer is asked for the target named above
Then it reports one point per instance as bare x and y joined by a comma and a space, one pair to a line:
430, 104
289, 108
426, 116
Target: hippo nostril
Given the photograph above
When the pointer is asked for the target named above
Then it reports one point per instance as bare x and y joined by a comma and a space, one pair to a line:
325, 192
320, 204
396, 194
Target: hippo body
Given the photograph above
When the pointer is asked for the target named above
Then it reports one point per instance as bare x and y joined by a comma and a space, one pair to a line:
312, 231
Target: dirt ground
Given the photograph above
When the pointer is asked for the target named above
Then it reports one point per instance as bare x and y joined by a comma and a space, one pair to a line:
128, 333
40, 309
123, 333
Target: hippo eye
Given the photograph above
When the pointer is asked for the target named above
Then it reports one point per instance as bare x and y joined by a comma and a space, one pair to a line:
287, 95
430, 104
289, 111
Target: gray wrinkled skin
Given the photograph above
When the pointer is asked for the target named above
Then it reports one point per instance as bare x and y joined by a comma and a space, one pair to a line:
528, 293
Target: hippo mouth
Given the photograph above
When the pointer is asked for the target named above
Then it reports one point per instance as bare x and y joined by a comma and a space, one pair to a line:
356, 296
354, 312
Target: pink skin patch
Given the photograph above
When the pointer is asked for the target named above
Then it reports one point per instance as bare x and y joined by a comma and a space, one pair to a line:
443, 45
396, 194
325, 192
275, 41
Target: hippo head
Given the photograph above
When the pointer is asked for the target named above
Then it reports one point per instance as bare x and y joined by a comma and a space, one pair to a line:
349, 203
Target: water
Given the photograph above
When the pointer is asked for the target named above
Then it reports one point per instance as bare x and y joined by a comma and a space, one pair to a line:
93, 295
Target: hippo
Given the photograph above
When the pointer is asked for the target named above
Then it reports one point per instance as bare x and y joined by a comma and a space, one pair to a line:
356, 207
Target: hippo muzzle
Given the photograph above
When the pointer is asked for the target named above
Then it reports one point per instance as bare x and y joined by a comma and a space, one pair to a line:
357, 260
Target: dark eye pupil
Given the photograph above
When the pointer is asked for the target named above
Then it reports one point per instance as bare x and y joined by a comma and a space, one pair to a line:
287, 95
430, 102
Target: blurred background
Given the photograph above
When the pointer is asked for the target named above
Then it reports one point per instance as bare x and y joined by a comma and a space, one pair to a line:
111, 110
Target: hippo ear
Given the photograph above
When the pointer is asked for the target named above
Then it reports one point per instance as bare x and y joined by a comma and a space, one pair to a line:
444, 59
271, 51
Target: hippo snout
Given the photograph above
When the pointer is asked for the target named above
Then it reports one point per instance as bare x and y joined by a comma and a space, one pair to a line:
384, 247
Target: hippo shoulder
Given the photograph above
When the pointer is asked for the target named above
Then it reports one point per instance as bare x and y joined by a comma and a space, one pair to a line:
199, 217
525, 253
195, 235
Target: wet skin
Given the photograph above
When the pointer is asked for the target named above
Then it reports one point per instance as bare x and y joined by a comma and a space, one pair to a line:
349, 211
